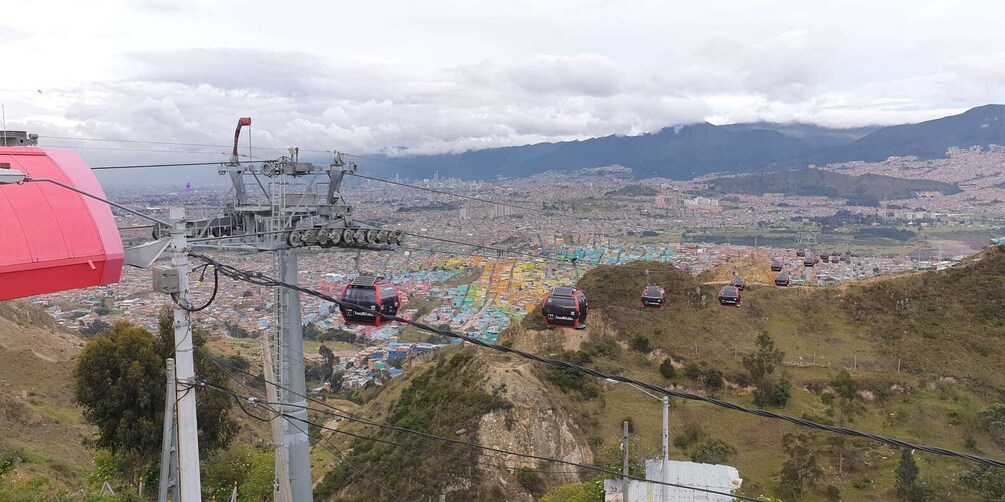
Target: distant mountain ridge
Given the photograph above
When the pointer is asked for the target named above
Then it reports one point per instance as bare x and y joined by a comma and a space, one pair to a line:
699, 149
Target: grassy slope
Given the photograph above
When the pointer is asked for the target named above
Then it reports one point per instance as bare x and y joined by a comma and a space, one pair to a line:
949, 327
46, 426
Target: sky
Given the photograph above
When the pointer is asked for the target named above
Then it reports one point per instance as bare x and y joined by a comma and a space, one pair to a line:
445, 76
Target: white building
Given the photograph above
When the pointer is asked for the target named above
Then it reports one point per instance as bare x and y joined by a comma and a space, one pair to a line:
715, 477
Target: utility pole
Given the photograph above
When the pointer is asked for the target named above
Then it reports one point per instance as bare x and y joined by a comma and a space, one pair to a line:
169, 448
294, 402
664, 489
188, 428
624, 458
282, 474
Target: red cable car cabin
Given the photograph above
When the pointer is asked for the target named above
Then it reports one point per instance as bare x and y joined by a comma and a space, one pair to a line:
653, 297
368, 292
565, 307
729, 296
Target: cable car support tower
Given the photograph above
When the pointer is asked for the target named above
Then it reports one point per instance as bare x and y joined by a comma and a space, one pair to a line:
279, 206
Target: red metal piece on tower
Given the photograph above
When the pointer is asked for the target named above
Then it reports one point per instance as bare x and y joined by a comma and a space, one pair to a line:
54, 239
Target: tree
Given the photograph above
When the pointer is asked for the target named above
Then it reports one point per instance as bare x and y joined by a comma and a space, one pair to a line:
908, 489
907, 473
119, 381
846, 393
712, 451
800, 471
667, 369
96, 326
311, 331
762, 362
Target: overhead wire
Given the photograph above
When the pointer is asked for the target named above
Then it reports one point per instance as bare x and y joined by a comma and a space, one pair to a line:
175, 164
268, 405
585, 467
263, 280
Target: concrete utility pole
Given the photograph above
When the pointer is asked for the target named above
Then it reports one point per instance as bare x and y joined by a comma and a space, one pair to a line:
665, 490
291, 353
188, 428
624, 457
169, 448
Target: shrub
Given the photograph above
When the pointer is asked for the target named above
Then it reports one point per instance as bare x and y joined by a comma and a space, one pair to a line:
692, 371
667, 369
713, 380
531, 481
692, 434
642, 344
992, 421
712, 451
773, 394
602, 348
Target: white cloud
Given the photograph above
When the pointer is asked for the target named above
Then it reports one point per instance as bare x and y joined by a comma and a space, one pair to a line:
447, 76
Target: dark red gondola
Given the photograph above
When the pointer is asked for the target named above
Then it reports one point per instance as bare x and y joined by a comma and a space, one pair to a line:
564, 307
653, 297
738, 283
776, 265
369, 292
782, 279
729, 296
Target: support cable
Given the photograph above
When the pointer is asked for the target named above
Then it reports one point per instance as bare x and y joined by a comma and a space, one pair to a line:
263, 280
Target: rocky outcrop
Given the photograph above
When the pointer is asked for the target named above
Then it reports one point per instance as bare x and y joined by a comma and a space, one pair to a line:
537, 423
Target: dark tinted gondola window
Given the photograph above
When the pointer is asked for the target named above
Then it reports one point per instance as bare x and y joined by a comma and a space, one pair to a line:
387, 292
361, 296
562, 302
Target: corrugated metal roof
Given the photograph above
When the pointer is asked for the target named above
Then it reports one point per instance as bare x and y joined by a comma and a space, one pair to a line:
54, 239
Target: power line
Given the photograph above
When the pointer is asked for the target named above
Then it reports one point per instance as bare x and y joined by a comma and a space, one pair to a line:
142, 166
263, 280
269, 406
444, 192
482, 447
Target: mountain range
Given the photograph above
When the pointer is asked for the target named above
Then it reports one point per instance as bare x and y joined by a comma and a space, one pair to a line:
699, 149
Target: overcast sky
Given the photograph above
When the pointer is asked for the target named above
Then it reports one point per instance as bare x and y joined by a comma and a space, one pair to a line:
438, 76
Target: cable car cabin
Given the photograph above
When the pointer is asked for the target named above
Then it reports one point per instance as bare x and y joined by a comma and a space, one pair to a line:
653, 297
782, 279
565, 307
776, 266
825, 258
738, 283
729, 296
368, 292
809, 261
800, 253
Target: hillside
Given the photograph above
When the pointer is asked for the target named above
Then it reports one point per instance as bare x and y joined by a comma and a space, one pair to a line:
41, 426
925, 350
698, 149
467, 395
830, 184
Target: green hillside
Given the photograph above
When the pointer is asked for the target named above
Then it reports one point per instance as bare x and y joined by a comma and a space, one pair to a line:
943, 330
